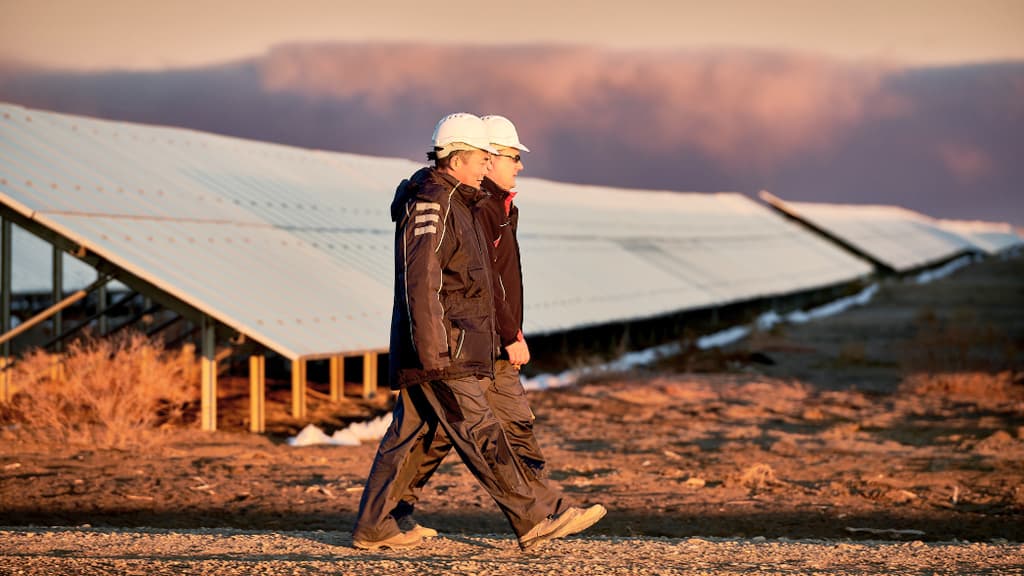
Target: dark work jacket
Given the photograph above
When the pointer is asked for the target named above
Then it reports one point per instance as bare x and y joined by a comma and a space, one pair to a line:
500, 227
442, 323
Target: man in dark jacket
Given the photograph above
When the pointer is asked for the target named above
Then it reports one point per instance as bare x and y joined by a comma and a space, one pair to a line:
442, 351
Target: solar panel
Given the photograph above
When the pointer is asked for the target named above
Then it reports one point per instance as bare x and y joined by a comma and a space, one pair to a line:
992, 237
898, 238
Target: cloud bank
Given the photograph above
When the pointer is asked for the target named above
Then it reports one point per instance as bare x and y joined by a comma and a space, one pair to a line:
943, 141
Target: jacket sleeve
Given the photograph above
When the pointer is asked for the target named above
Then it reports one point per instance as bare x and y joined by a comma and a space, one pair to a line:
423, 227
493, 221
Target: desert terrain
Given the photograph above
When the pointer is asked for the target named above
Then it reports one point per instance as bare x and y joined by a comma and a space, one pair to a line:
888, 439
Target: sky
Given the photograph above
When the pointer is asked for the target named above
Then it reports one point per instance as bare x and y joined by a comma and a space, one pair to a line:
154, 35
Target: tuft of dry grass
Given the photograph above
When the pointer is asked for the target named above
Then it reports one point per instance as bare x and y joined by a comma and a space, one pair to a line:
966, 386
104, 393
756, 477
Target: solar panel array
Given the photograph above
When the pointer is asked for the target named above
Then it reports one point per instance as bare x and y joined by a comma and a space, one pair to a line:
992, 237
898, 238
293, 247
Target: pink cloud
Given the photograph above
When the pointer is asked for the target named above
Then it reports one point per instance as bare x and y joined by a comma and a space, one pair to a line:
966, 162
735, 107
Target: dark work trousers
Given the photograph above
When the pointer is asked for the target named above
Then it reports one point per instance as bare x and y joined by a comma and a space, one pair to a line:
508, 401
456, 409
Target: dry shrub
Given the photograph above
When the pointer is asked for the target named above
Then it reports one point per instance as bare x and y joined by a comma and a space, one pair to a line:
958, 341
757, 477
1000, 442
966, 386
104, 393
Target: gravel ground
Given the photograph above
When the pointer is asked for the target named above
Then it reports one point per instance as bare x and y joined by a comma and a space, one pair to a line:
226, 552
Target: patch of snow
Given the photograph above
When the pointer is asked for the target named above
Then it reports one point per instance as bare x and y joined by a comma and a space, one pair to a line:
370, 430
945, 270
834, 307
351, 435
723, 338
768, 319
309, 436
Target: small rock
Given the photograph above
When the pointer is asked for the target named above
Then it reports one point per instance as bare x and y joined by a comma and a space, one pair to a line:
901, 496
695, 482
813, 414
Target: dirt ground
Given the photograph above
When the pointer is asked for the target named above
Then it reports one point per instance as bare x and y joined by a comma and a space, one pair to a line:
892, 433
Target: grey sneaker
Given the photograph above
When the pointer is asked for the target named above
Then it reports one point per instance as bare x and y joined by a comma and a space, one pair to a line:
396, 542
571, 521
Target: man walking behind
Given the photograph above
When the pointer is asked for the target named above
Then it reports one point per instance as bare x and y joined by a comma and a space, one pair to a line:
500, 220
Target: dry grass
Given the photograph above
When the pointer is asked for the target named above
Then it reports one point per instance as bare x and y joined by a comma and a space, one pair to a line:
756, 477
963, 358
966, 386
104, 393
958, 341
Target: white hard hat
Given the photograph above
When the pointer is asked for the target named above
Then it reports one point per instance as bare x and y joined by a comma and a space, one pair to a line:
459, 130
502, 132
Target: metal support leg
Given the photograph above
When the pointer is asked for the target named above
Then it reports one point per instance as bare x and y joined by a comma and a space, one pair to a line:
58, 295
56, 371
369, 375
5, 308
299, 389
102, 323
257, 393
208, 402
337, 378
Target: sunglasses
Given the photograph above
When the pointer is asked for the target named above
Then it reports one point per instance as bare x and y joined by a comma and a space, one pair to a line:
517, 158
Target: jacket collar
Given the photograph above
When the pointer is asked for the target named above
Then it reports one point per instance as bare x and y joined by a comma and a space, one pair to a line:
494, 190
466, 193
498, 193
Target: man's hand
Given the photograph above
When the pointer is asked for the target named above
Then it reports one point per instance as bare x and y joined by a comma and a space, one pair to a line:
518, 353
